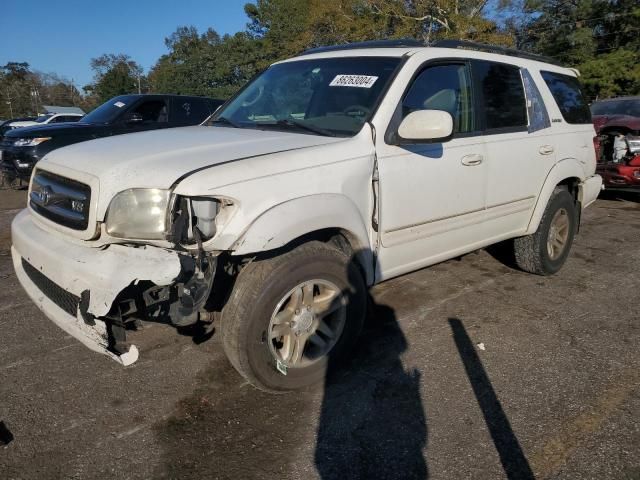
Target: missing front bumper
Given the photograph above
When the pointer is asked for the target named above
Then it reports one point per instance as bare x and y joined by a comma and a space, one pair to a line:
80, 288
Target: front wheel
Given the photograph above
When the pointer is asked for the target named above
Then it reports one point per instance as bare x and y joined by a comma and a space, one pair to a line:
292, 316
545, 251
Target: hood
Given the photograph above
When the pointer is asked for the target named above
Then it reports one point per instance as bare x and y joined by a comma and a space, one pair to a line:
49, 130
159, 158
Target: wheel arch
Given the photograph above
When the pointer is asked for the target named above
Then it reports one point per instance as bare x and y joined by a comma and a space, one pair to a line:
325, 217
567, 173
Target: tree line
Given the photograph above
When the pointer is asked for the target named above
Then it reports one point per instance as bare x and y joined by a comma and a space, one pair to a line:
599, 37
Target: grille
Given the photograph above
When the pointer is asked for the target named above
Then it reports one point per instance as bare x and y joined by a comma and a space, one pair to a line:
61, 199
65, 300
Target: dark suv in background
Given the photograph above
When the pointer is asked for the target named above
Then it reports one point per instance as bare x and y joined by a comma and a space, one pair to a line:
20, 149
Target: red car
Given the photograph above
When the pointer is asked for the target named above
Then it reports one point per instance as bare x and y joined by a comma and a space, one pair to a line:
618, 160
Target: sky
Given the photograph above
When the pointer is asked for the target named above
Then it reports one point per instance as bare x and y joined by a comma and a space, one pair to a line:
62, 36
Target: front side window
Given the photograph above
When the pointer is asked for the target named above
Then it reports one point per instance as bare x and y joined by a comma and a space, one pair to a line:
109, 110
443, 87
329, 96
153, 111
568, 95
503, 93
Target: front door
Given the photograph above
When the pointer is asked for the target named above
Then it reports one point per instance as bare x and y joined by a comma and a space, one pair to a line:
432, 195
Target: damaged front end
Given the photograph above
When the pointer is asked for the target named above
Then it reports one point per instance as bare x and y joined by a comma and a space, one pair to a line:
97, 295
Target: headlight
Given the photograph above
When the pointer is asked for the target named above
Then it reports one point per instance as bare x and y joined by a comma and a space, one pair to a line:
139, 213
29, 142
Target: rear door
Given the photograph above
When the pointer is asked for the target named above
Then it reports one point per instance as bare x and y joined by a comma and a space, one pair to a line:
520, 150
149, 113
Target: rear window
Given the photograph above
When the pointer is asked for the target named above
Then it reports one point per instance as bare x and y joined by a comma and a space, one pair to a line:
568, 95
505, 106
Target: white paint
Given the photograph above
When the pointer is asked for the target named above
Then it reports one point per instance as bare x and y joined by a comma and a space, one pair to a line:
426, 125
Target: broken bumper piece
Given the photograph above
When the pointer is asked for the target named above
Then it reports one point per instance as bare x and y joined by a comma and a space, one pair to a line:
76, 285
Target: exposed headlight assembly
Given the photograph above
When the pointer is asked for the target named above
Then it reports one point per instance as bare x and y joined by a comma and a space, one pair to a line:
139, 213
198, 219
29, 142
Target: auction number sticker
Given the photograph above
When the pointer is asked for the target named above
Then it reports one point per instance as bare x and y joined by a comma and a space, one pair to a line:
359, 81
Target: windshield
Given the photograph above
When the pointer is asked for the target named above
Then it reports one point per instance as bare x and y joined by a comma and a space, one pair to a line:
43, 118
617, 107
329, 96
109, 110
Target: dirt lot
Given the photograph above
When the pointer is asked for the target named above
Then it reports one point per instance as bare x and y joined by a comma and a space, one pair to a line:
553, 393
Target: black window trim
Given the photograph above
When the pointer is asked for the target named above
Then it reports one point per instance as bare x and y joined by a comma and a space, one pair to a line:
391, 133
480, 96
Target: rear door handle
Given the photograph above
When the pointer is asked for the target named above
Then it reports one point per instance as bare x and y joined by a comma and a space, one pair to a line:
472, 160
546, 150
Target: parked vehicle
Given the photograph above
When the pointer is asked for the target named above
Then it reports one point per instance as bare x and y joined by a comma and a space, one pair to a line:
124, 114
49, 119
329, 172
9, 124
617, 122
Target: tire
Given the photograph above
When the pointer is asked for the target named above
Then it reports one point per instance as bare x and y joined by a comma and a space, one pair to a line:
260, 290
532, 253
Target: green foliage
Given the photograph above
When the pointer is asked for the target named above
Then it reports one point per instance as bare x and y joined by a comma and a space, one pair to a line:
24, 92
599, 37
114, 75
612, 74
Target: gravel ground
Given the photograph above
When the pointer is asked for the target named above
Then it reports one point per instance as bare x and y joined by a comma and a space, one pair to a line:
553, 391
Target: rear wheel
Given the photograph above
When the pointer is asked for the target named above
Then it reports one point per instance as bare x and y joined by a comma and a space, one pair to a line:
291, 317
545, 251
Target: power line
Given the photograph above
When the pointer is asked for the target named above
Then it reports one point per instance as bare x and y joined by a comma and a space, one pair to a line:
576, 22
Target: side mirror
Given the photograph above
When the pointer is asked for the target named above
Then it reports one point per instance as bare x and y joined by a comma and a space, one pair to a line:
425, 126
133, 118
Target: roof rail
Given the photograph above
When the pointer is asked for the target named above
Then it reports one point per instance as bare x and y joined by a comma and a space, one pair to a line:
483, 47
405, 42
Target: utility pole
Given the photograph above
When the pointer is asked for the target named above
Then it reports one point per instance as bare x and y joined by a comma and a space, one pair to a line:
9, 103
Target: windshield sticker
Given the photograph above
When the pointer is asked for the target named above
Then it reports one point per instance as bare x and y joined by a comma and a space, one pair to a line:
359, 81
119, 104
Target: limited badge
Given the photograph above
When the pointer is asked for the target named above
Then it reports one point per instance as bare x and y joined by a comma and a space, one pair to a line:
358, 81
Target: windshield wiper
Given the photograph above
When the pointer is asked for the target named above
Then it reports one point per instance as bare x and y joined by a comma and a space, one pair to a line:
225, 121
304, 126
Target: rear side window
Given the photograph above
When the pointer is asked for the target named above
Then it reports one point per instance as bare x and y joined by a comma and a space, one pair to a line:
189, 111
505, 106
568, 95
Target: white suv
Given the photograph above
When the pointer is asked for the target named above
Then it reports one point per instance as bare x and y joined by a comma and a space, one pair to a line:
330, 172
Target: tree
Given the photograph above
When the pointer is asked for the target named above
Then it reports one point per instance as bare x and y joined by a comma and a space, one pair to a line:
599, 37
114, 75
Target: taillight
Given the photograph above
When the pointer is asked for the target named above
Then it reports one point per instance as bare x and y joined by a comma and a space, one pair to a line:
597, 147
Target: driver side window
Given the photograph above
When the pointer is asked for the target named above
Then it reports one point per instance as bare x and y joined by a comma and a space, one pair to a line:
153, 111
447, 88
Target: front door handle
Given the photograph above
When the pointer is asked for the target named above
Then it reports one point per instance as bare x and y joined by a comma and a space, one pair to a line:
472, 160
546, 149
